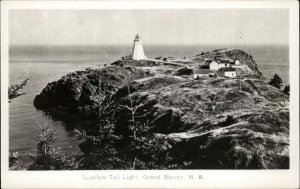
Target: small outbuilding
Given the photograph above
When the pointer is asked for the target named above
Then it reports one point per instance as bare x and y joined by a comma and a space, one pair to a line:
227, 72
225, 63
201, 73
214, 66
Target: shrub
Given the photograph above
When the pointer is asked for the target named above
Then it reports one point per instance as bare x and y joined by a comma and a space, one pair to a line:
13, 161
148, 151
48, 158
276, 81
229, 120
286, 90
100, 151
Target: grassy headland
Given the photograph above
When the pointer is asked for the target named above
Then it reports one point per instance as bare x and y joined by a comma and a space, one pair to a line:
164, 119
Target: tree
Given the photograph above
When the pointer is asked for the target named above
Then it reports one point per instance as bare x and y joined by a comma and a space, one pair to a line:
145, 151
99, 145
13, 89
49, 158
286, 89
99, 148
276, 81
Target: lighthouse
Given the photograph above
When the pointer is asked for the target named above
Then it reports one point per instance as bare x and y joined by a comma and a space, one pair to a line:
137, 49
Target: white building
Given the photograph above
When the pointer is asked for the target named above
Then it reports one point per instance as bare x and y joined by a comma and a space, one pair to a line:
237, 64
201, 73
227, 72
230, 74
223, 63
137, 49
214, 66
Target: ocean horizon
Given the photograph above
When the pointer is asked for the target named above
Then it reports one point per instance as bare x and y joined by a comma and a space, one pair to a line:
46, 52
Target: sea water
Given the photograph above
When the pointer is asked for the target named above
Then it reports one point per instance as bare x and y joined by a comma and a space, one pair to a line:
46, 64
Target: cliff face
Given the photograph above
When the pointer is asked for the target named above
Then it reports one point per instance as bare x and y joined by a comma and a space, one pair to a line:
208, 123
78, 92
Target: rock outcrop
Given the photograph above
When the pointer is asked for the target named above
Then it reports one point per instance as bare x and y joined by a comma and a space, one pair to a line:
211, 123
78, 92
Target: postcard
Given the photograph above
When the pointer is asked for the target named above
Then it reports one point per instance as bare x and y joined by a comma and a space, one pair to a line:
150, 94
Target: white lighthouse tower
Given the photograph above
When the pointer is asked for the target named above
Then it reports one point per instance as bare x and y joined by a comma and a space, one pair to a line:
137, 49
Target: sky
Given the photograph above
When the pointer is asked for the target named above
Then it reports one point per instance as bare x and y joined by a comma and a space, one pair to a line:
113, 27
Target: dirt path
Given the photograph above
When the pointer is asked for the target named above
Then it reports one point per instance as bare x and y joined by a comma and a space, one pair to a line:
187, 135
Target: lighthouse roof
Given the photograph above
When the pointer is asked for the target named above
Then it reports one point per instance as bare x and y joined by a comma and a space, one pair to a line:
137, 36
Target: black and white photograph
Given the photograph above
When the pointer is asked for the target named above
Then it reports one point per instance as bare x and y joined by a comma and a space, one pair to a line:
148, 89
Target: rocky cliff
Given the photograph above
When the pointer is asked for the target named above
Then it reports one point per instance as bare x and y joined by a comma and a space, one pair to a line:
78, 92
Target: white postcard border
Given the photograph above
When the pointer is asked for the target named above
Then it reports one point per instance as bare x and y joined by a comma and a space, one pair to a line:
201, 178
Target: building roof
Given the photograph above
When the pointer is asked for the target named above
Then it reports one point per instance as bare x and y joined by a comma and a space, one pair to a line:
227, 69
226, 60
201, 71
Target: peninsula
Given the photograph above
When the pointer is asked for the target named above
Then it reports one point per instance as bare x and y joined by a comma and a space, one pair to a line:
210, 111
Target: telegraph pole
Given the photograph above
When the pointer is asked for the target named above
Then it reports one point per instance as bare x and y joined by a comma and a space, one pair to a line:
99, 100
240, 83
